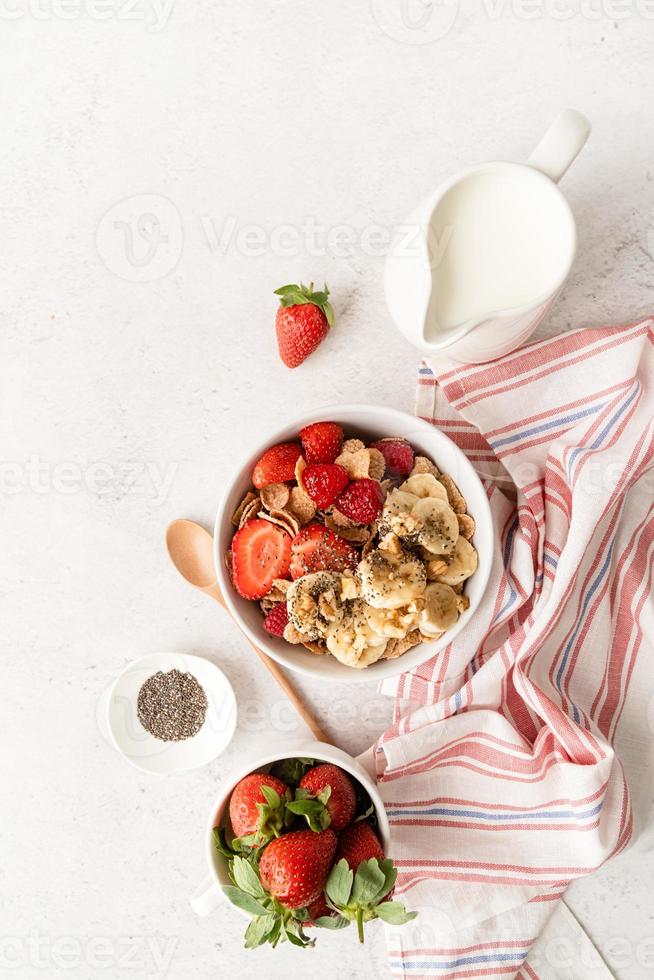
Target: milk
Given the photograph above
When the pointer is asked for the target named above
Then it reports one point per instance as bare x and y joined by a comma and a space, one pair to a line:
496, 241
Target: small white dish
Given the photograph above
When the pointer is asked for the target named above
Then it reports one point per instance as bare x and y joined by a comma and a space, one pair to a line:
145, 751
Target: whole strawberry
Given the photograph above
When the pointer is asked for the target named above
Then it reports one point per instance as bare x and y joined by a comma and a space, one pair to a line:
277, 619
358, 843
302, 322
256, 808
323, 482
321, 441
325, 797
277, 465
361, 501
294, 868
398, 456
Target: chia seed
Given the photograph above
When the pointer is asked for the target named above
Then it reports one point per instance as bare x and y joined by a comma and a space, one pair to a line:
172, 706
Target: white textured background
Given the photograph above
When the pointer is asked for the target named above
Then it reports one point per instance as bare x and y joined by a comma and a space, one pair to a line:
156, 359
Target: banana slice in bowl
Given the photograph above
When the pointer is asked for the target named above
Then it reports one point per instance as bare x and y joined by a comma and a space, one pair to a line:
315, 604
463, 564
439, 527
424, 485
441, 610
392, 622
352, 640
390, 580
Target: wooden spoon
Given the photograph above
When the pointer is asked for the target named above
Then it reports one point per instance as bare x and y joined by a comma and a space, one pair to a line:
190, 547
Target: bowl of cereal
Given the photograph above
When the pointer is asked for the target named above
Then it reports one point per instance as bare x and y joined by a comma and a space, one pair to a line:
354, 544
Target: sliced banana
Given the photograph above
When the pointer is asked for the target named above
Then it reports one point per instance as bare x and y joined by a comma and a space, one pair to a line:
392, 622
314, 603
389, 581
463, 564
396, 515
399, 502
439, 527
424, 485
352, 641
441, 610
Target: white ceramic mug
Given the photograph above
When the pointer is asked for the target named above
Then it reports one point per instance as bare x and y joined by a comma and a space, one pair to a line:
460, 279
209, 894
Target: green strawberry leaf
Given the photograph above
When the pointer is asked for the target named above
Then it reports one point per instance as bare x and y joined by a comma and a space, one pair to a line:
315, 813
339, 884
365, 816
291, 771
368, 883
394, 913
247, 878
220, 841
295, 935
331, 922
242, 900
258, 930
390, 874
294, 295
271, 797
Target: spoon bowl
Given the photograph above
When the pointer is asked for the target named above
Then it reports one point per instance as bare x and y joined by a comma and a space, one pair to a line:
190, 547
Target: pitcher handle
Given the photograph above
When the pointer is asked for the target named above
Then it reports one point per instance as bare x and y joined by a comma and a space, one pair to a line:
206, 898
560, 144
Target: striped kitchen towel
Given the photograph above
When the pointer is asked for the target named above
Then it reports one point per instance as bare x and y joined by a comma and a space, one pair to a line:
518, 755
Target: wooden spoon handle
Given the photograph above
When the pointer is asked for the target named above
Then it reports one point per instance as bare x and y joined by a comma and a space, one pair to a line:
319, 734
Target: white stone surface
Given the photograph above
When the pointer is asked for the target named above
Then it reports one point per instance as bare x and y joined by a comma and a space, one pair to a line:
233, 113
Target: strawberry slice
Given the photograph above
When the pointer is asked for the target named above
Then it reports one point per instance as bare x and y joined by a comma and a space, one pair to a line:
261, 552
277, 465
317, 549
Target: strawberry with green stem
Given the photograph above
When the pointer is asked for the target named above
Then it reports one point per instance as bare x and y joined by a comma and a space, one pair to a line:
303, 320
325, 798
257, 809
291, 876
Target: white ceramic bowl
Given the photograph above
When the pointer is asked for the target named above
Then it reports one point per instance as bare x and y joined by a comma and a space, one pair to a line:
125, 731
209, 894
368, 422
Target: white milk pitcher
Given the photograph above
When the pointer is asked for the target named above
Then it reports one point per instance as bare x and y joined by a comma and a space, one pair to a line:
474, 270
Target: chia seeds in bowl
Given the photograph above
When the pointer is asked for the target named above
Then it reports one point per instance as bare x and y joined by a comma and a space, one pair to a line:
172, 706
